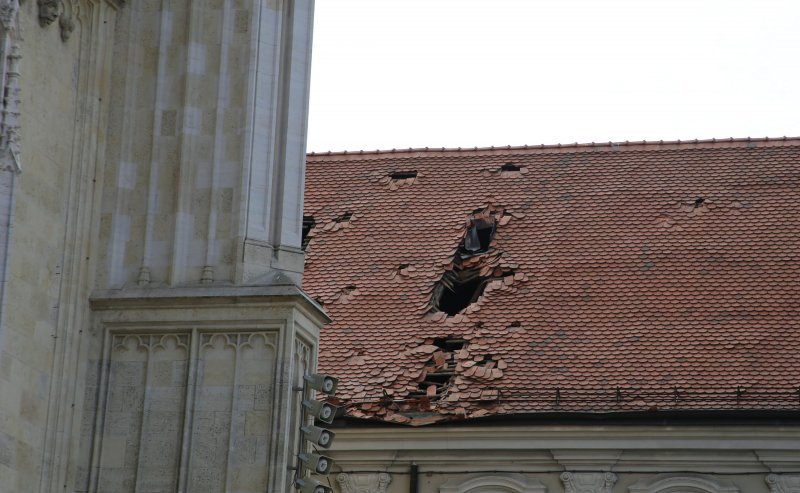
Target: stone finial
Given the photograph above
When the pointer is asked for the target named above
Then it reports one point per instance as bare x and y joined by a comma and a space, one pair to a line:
364, 482
783, 483
588, 482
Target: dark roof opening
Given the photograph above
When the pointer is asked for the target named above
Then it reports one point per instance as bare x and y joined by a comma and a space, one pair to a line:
448, 344
308, 225
402, 175
510, 167
698, 202
459, 289
344, 217
479, 236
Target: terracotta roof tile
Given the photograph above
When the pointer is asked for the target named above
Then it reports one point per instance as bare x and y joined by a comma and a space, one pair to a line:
623, 277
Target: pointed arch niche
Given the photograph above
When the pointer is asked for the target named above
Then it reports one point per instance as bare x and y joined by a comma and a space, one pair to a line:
505, 483
683, 483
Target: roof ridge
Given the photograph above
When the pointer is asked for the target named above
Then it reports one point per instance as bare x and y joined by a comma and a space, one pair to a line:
573, 147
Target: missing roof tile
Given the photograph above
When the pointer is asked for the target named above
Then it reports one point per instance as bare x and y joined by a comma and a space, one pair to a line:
458, 289
448, 344
482, 227
402, 175
510, 167
308, 225
698, 202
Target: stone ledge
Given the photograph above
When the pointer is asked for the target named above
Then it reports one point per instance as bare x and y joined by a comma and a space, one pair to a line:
210, 296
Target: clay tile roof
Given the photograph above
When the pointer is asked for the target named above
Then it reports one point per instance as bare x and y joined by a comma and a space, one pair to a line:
620, 277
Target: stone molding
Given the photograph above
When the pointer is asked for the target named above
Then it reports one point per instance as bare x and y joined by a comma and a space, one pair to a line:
512, 483
783, 483
588, 482
364, 482
683, 483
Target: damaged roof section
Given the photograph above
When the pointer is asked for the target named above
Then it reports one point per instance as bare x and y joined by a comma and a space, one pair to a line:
572, 279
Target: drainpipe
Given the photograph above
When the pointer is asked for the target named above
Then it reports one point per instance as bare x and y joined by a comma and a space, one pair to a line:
413, 486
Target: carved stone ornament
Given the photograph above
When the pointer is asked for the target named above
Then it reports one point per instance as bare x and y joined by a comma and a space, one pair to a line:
66, 22
8, 13
9, 112
685, 483
783, 483
588, 482
516, 483
364, 482
48, 11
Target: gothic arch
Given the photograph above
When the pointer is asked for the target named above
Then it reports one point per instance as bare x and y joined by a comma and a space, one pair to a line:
506, 483
683, 483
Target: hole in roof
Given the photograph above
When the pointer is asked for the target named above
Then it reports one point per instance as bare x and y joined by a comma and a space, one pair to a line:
402, 175
448, 344
308, 225
479, 235
344, 217
458, 289
439, 369
698, 202
510, 167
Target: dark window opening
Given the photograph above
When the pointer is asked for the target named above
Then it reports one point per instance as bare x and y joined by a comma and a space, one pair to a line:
459, 289
698, 202
308, 225
509, 167
403, 175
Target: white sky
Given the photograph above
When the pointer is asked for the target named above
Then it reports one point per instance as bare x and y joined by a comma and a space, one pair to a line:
414, 73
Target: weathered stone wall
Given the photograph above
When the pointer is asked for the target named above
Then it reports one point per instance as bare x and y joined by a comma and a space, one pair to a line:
46, 250
163, 145
568, 459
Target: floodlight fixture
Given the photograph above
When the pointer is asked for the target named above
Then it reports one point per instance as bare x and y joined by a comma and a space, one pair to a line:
318, 436
321, 410
324, 383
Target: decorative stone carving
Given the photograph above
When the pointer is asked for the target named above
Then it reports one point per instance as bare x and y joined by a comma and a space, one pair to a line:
8, 13
512, 483
9, 128
48, 11
364, 483
685, 483
783, 483
588, 482
66, 22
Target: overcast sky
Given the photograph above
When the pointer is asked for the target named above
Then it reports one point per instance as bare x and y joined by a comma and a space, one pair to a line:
415, 73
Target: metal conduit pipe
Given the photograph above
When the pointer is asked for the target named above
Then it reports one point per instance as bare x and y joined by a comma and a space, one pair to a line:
413, 482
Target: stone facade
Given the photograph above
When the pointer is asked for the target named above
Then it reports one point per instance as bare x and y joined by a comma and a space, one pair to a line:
590, 458
151, 176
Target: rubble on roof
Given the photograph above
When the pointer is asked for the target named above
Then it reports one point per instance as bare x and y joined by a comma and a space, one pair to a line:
619, 278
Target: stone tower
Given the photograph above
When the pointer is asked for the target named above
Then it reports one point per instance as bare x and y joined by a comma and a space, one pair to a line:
153, 321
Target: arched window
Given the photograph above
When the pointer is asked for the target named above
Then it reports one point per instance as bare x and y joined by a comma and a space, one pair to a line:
683, 483
506, 483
